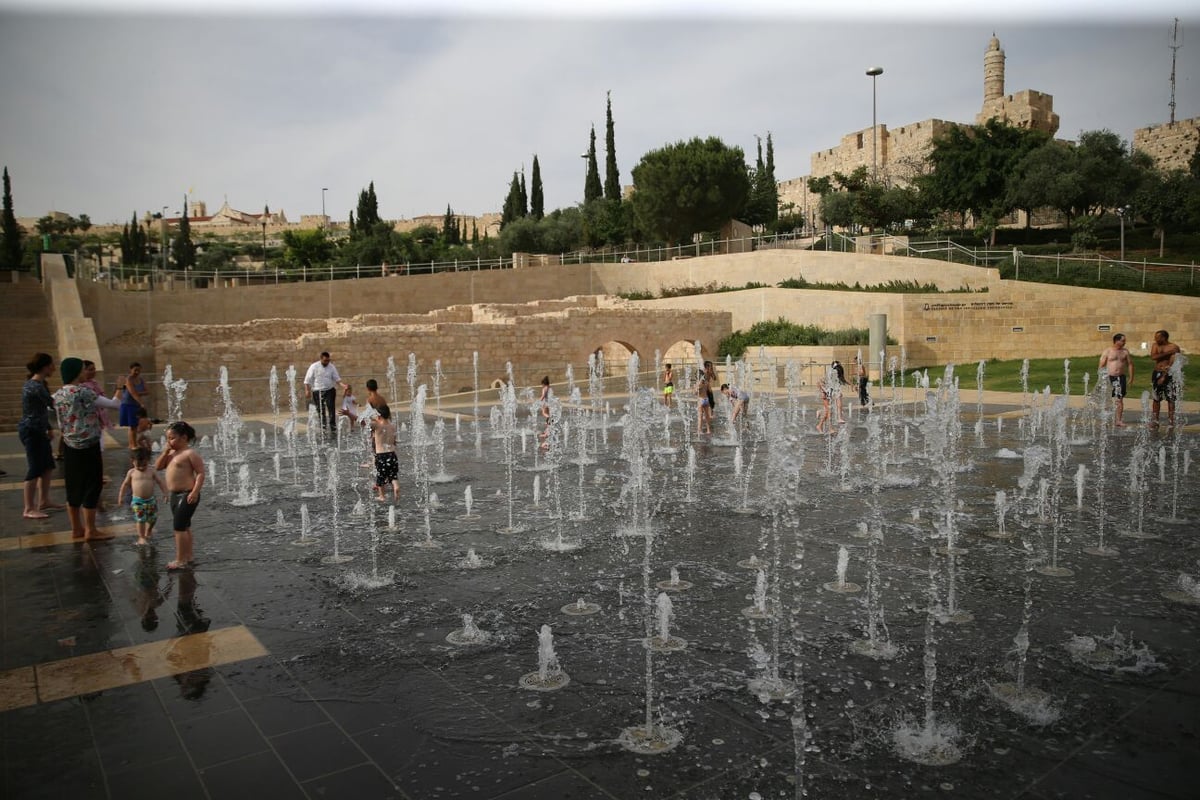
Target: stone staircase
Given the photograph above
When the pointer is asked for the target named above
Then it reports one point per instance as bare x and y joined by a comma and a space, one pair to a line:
25, 329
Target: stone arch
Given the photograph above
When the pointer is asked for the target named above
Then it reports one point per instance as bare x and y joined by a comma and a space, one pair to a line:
682, 352
616, 357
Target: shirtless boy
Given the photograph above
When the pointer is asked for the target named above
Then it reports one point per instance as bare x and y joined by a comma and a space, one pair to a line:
1118, 366
141, 482
185, 476
668, 384
1163, 352
387, 466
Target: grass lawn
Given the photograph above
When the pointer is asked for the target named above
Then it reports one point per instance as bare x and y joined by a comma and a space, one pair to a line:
1005, 376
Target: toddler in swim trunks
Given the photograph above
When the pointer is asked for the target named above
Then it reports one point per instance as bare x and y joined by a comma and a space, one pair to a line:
140, 481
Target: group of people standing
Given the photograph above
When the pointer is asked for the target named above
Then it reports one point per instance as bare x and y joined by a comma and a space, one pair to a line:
1117, 363
739, 399
321, 383
79, 406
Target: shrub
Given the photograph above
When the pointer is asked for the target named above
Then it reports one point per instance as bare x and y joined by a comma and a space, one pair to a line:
781, 333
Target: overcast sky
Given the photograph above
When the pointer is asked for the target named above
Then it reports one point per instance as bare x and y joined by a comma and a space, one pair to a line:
115, 107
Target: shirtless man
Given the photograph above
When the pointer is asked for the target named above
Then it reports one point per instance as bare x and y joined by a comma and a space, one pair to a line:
184, 478
668, 385
1118, 366
387, 466
1163, 352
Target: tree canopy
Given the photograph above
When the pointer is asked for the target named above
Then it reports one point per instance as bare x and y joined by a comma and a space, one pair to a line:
689, 187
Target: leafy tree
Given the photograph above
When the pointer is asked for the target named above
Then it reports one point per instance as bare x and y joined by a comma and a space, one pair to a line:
971, 167
520, 236
217, 256
1047, 177
10, 231
591, 182
1162, 200
306, 248
612, 177
837, 209
1108, 174
689, 187
537, 201
183, 249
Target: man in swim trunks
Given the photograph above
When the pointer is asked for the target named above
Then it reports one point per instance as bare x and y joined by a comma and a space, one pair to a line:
1118, 366
1163, 353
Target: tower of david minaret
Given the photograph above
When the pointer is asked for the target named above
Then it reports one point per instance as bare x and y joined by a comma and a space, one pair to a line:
993, 71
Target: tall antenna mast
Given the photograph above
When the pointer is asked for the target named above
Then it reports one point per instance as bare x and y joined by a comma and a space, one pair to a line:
1175, 45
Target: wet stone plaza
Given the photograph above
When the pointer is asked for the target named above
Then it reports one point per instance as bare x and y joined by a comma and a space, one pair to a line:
944, 598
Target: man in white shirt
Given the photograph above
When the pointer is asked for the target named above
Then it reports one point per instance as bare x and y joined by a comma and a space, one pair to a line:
321, 383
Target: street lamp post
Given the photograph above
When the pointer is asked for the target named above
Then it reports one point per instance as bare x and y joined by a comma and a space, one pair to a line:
1122, 212
874, 72
267, 211
324, 189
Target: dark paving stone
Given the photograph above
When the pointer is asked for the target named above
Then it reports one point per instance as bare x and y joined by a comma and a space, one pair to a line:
194, 694
282, 713
221, 737
363, 782
257, 775
316, 751
567, 785
73, 772
146, 779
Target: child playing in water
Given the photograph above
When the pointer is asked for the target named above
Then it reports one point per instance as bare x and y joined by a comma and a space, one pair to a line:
349, 407
185, 477
140, 481
387, 466
831, 396
144, 424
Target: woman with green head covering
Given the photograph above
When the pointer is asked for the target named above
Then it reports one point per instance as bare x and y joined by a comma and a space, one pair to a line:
83, 471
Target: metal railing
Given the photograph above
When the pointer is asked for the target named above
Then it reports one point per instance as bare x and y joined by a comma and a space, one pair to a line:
1096, 270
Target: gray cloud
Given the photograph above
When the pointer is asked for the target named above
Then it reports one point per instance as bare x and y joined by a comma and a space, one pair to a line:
109, 113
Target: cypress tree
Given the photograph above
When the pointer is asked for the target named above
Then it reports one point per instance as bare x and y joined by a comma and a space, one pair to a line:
184, 250
510, 211
772, 186
10, 231
523, 198
591, 183
612, 177
368, 209
537, 202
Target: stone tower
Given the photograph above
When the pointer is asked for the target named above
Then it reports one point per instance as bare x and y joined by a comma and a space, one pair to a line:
1024, 109
993, 71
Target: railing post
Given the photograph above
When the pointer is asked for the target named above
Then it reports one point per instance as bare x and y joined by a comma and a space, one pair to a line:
1143, 272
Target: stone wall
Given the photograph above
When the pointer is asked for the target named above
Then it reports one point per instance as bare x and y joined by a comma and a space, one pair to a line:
1024, 109
535, 343
451, 315
1171, 146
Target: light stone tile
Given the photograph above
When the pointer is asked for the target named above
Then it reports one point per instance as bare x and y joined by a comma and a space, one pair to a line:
18, 688
129, 665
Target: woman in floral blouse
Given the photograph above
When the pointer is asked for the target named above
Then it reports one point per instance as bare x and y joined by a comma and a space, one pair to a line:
34, 430
78, 418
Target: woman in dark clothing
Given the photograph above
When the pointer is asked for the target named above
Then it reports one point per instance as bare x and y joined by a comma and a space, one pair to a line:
34, 430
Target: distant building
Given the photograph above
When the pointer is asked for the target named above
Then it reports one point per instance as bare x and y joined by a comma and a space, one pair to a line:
900, 154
